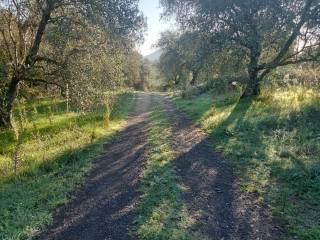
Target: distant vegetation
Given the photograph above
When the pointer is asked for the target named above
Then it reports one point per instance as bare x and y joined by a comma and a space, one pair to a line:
155, 56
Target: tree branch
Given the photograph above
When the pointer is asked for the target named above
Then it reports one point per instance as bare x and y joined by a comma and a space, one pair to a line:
291, 39
40, 80
46, 59
42, 26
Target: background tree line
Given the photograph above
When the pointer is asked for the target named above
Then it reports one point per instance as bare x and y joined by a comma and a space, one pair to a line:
220, 42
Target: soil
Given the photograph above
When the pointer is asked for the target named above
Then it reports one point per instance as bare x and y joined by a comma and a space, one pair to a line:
103, 207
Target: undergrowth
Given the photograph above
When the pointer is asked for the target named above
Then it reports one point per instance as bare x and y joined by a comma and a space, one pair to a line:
57, 149
273, 142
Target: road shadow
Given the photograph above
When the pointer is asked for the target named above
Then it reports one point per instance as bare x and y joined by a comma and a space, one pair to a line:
211, 192
102, 208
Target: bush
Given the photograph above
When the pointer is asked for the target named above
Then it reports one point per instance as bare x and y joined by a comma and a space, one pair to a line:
220, 84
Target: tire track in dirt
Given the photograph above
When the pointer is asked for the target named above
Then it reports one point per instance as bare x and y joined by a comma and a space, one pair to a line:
219, 208
103, 207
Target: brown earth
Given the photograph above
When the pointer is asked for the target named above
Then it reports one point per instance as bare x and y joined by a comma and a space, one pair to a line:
103, 208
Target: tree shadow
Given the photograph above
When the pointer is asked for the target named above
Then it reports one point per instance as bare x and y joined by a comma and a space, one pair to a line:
48, 184
219, 208
102, 208
287, 181
160, 213
214, 195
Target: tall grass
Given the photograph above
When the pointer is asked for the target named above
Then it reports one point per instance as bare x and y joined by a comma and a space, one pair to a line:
273, 143
55, 150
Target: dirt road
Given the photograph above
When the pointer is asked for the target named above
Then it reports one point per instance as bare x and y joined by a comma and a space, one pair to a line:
103, 208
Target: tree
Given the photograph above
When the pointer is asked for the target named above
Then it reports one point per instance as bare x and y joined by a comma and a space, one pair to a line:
271, 33
35, 38
184, 54
145, 72
132, 69
194, 50
170, 64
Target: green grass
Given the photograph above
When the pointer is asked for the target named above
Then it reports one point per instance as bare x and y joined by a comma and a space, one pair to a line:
273, 142
56, 152
162, 214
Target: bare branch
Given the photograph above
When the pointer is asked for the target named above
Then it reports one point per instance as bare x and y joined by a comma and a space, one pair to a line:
40, 80
47, 60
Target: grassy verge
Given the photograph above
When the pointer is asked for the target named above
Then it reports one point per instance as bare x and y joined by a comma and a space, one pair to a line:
56, 150
162, 214
273, 141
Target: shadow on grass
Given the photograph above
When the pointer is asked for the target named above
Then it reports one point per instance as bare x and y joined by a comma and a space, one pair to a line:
161, 213
192, 195
211, 189
275, 157
103, 207
286, 180
27, 201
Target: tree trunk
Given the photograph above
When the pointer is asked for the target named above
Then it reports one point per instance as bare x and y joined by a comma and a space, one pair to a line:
194, 77
6, 105
10, 93
253, 85
5, 119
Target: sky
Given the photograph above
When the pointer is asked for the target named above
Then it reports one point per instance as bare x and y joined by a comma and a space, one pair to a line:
151, 9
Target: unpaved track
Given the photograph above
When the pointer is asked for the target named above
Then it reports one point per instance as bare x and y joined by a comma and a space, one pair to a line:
213, 198
103, 208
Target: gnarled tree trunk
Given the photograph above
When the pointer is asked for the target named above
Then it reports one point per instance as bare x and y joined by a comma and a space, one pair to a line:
195, 75
6, 105
21, 66
253, 85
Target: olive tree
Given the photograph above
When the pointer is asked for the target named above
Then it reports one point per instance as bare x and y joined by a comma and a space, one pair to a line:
184, 56
39, 38
132, 68
271, 33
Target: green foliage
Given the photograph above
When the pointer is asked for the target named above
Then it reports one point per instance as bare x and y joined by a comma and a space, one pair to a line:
161, 212
258, 36
53, 159
132, 70
171, 61
183, 58
223, 84
76, 49
273, 143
